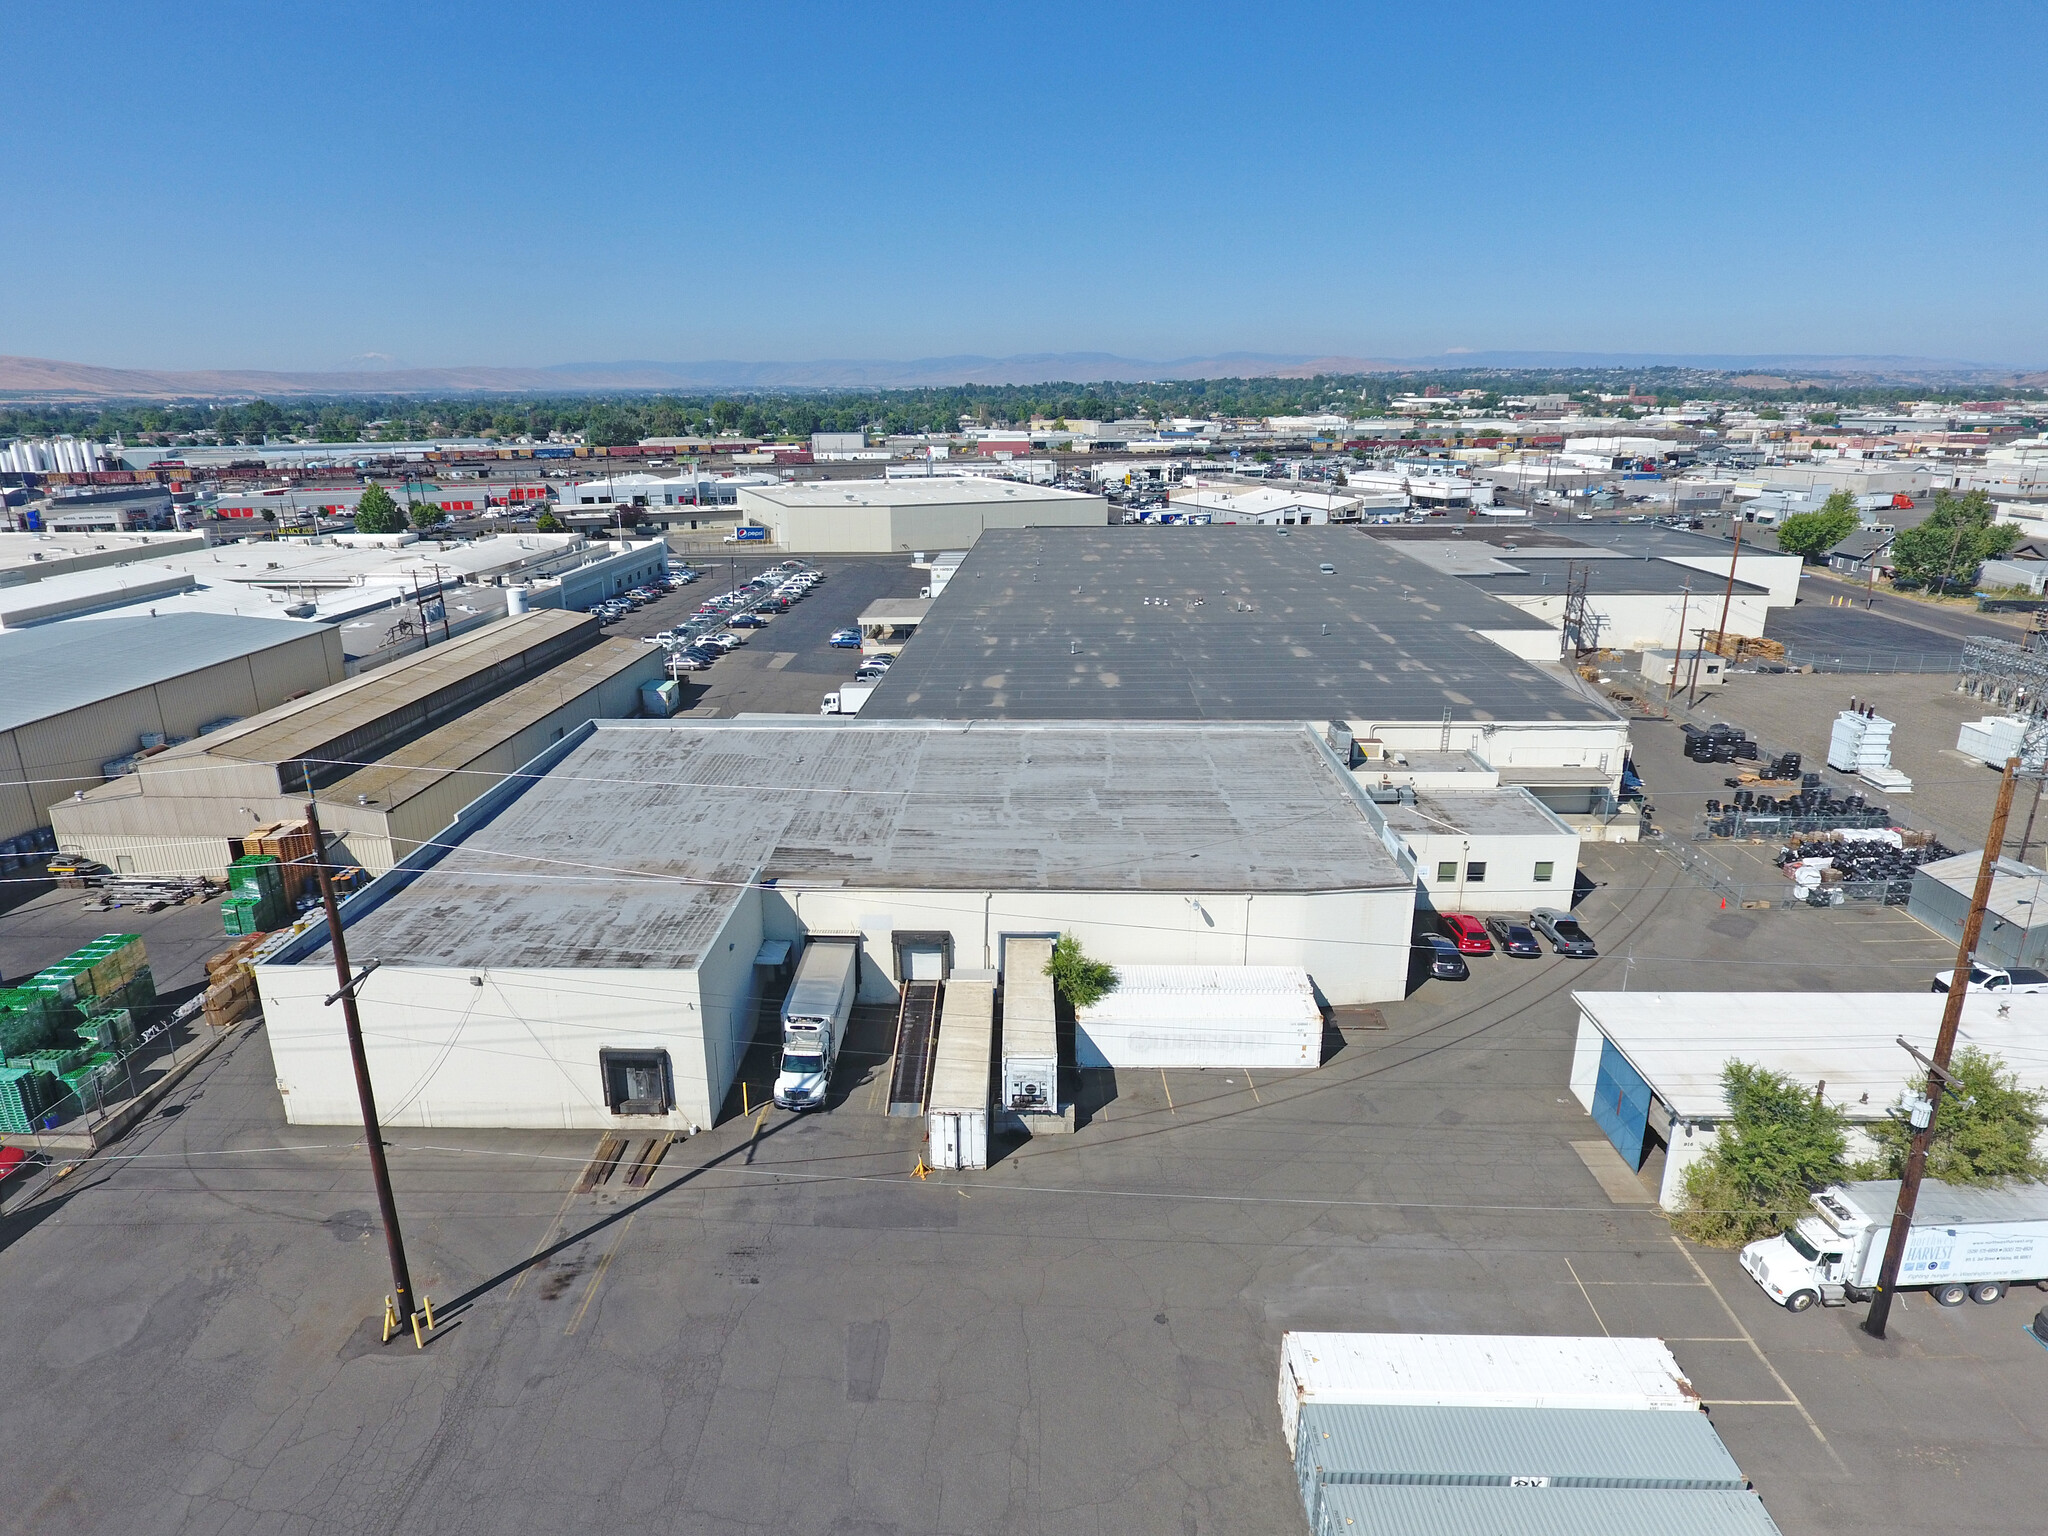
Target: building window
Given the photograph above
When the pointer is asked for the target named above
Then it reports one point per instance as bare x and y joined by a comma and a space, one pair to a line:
637, 1082
1475, 874
1543, 870
1447, 871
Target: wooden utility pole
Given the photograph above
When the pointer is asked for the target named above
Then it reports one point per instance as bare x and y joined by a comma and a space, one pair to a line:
373, 1133
1944, 1047
1728, 597
1679, 650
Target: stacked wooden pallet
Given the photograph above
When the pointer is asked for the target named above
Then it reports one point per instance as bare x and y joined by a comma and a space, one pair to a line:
230, 982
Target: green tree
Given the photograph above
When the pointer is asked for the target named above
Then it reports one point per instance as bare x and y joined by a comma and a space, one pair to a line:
1812, 534
1075, 977
547, 522
1985, 1135
1778, 1144
376, 512
1958, 536
427, 514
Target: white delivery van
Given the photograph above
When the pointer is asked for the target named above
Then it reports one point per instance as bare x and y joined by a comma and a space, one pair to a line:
814, 1019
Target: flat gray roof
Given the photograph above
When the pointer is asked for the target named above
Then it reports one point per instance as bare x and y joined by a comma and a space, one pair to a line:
1505, 812
48, 669
633, 848
1219, 623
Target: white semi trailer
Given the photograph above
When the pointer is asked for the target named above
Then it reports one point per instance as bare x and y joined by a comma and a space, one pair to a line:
1966, 1244
814, 1019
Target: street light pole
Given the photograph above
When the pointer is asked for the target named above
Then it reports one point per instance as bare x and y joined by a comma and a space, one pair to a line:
1937, 1071
373, 1133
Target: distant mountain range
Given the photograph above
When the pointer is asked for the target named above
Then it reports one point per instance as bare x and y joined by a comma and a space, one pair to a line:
41, 379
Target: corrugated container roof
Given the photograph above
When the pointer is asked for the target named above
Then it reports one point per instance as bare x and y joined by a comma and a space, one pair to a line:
1485, 1370
960, 1064
1382, 1511
1190, 994
51, 668
1346, 1443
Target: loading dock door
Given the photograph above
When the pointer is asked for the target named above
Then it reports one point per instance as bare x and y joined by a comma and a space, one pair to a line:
924, 962
1621, 1104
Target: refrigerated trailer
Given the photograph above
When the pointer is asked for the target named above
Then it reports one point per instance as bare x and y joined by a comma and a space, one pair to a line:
956, 1111
1965, 1244
1189, 1016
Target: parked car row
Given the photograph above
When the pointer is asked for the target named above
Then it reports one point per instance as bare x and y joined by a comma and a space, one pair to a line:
613, 609
1462, 935
723, 623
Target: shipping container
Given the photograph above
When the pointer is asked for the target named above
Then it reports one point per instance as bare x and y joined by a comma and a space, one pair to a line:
1031, 1063
1453, 1370
1346, 1444
1202, 1016
1532, 1510
956, 1110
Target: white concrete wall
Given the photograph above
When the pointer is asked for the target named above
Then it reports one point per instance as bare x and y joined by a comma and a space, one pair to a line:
1779, 574
520, 1050
1633, 620
1354, 944
1510, 859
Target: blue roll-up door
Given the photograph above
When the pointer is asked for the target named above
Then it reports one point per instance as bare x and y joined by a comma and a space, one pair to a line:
1621, 1104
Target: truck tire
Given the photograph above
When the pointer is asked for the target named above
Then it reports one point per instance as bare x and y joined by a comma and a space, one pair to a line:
1987, 1293
1799, 1301
1951, 1295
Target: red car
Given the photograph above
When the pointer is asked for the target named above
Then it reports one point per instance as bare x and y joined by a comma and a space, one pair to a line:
1468, 933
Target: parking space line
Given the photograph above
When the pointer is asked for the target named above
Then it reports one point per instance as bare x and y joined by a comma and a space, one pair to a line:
1757, 1349
1589, 1299
1169, 1093
1254, 1088
546, 1242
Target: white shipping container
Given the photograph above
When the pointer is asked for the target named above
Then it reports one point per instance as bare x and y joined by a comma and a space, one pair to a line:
1030, 1028
1993, 739
1473, 1370
956, 1110
1189, 1016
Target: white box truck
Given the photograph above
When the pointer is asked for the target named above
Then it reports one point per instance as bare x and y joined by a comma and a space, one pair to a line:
848, 700
814, 1019
1965, 1244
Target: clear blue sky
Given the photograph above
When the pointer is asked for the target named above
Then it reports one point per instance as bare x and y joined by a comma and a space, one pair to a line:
205, 185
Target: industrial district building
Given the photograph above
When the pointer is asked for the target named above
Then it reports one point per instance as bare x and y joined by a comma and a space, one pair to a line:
1647, 1065
883, 516
610, 904
73, 700
336, 578
1244, 624
393, 754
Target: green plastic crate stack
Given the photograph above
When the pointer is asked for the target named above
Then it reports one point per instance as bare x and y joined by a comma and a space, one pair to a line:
25, 1022
113, 1030
256, 900
24, 1092
90, 1080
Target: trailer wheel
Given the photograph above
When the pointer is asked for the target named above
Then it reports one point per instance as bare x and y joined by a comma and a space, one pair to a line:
1987, 1293
1799, 1301
1951, 1295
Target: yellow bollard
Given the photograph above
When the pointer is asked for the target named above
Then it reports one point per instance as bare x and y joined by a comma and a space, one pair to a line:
427, 1302
417, 1341
390, 1318
745, 1108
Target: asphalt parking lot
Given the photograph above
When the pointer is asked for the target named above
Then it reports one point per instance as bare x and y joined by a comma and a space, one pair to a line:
787, 667
786, 1331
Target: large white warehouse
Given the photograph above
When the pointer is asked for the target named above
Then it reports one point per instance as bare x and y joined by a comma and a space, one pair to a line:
881, 516
606, 908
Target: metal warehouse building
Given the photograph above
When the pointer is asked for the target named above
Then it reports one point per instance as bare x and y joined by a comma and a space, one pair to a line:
881, 516
393, 753
610, 906
76, 697
1647, 1065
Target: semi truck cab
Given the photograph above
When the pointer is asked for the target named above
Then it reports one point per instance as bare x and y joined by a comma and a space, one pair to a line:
1806, 1265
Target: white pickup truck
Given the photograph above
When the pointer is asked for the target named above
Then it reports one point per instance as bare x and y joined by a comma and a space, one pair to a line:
1966, 1244
1991, 978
